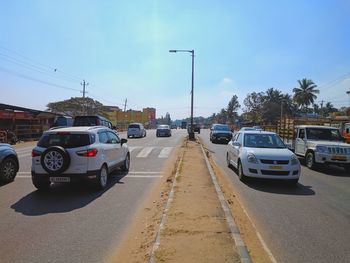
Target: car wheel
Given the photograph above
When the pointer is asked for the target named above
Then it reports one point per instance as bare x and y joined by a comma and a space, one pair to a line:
199, 132
102, 178
293, 181
55, 160
228, 161
310, 161
241, 175
126, 164
42, 184
8, 169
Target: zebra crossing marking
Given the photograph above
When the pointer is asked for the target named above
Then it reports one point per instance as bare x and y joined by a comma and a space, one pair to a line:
165, 152
145, 152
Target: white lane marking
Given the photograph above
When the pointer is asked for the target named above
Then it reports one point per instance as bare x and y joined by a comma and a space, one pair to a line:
145, 152
133, 148
165, 152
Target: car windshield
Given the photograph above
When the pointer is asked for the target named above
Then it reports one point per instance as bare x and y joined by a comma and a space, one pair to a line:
321, 134
256, 140
163, 127
65, 140
221, 128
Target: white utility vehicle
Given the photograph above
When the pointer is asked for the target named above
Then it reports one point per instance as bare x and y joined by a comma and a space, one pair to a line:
321, 145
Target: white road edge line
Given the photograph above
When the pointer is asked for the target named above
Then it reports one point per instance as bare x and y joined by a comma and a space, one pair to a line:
164, 215
236, 235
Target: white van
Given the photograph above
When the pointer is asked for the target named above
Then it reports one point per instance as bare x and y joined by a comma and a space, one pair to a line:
136, 130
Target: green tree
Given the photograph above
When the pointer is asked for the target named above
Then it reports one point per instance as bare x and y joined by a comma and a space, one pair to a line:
77, 106
305, 94
231, 110
253, 105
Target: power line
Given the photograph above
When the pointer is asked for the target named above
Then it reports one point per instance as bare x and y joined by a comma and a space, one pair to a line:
328, 84
50, 68
35, 79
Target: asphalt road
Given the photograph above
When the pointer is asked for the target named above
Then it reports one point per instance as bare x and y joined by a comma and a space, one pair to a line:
306, 223
72, 223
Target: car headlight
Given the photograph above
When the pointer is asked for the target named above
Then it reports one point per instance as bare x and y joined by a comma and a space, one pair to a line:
321, 149
251, 158
294, 160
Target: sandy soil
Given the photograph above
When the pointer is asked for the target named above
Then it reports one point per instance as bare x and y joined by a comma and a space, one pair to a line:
195, 230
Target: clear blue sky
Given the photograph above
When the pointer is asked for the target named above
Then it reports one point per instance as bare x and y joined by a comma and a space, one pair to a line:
121, 49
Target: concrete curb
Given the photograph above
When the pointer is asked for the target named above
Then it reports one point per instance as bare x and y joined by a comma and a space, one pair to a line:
164, 215
241, 247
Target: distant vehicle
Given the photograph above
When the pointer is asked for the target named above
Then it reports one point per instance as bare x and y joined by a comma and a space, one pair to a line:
173, 126
9, 164
247, 129
321, 145
196, 128
63, 121
71, 154
163, 130
262, 154
136, 130
220, 133
94, 120
183, 125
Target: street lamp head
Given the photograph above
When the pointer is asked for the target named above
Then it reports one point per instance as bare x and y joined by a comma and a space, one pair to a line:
172, 51
348, 92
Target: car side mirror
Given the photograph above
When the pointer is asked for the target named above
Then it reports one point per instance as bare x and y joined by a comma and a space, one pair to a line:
236, 144
122, 141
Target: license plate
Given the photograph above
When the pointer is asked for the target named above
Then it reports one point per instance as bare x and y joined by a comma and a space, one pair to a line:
339, 157
276, 167
59, 179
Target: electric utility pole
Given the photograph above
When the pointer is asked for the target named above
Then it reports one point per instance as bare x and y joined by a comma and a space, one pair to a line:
126, 100
84, 84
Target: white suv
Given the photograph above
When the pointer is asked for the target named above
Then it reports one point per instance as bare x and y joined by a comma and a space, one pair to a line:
262, 154
75, 153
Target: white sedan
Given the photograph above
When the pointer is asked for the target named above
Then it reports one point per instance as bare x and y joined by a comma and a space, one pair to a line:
262, 154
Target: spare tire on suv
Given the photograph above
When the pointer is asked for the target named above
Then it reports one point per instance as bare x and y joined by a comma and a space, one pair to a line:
55, 160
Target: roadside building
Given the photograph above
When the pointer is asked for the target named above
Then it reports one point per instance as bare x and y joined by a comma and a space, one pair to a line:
121, 119
25, 123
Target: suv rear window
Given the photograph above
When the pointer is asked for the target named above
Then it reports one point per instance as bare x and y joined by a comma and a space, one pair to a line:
65, 140
134, 126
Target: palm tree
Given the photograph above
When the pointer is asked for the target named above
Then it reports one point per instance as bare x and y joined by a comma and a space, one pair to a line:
306, 93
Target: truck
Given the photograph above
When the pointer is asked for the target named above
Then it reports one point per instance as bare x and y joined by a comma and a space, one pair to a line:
183, 124
321, 145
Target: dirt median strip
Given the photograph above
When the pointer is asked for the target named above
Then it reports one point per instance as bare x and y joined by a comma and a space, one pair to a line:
196, 228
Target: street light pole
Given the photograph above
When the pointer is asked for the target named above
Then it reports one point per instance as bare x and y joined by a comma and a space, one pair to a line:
191, 131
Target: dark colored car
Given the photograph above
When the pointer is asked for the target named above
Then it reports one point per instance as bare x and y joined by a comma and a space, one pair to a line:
8, 163
95, 120
196, 128
220, 133
163, 130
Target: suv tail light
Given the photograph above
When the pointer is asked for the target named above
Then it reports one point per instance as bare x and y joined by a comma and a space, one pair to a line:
88, 153
36, 153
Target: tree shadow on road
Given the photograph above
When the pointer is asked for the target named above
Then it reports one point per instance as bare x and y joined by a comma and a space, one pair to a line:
279, 187
62, 198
